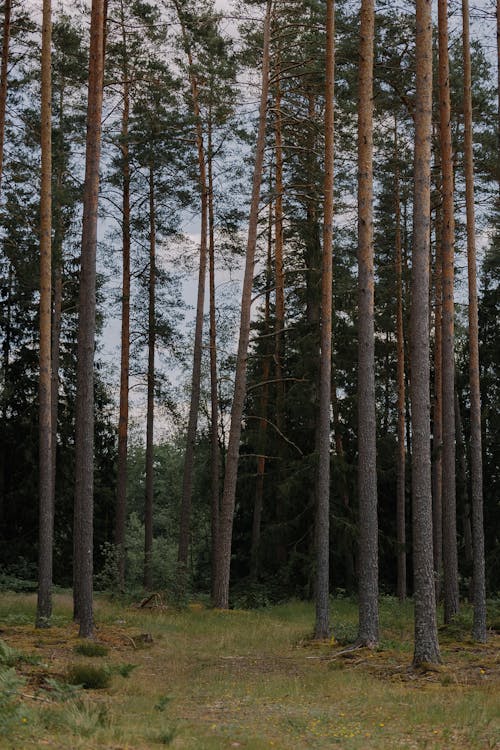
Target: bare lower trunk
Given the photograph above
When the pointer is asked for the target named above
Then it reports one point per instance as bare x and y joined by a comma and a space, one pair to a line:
479, 593
46, 513
148, 509
437, 416
450, 557
367, 447
84, 438
322, 527
426, 643
221, 594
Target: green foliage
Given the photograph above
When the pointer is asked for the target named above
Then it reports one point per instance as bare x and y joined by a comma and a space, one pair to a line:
89, 677
90, 648
13, 714
125, 670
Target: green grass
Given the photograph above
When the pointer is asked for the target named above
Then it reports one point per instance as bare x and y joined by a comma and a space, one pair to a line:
250, 679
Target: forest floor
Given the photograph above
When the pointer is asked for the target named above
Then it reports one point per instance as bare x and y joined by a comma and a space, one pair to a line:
203, 679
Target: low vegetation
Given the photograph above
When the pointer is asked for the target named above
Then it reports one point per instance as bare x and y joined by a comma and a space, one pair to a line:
197, 678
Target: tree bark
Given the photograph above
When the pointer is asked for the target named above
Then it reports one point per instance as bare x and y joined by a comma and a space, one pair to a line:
426, 643
46, 512
322, 527
148, 509
7, 8
367, 444
400, 379
450, 557
221, 597
187, 485
479, 592
437, 414
121, 471
84, 438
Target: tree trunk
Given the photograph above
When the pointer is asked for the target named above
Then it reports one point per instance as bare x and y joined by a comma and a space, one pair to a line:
187, 485
322, 527
46, 513
221, 598
400, 352
121, 471
479, 594
367, 446
148, 509
437, 414
426, 643
84, 438
3, 77
450, 557
214, 397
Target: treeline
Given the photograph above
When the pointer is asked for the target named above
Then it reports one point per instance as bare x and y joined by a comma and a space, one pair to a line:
350, 443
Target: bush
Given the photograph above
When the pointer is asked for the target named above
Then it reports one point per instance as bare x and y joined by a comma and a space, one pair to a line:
89, 677
91, 649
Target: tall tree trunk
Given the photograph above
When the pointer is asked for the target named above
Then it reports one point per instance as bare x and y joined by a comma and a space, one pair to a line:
148, 510
263, 409
426, 643
187, 484
479, 594
46, 512
367, 447
221, 597
121, 472
400, 353
450, 557
84, 438
437, 414
322, 527
7, 7
214, 396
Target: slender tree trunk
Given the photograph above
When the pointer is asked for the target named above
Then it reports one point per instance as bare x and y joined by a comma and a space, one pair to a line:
426, 643
214, 396
56, 344
367, 447
479, 594
400, 353
450, 557
463, 505
221, 598
121, 472
148, 510
46, 513
263, 409
187, 485
3, 76
84, 439
437, 414
322, 527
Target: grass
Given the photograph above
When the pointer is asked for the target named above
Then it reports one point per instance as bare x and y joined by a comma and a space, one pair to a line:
216, 680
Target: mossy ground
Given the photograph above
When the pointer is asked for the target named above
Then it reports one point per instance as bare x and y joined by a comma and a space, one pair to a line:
250, 679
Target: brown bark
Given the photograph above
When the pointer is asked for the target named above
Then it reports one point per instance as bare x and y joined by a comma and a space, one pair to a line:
322, 526
148, 508
476, 465
426, 643
221, 597
121, 471
450, 557
84, 438
187, 485
3, 76
214, 396
367, 448
400, 380
46, 507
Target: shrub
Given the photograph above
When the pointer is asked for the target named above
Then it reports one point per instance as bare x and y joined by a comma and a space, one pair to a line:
89, 677
90, 649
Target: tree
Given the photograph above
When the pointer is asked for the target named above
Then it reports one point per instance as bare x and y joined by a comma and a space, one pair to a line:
46, 517
426, 644
223, 564
322, 535
447, 243
367, 450
476, 459
84, 437
3, 77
